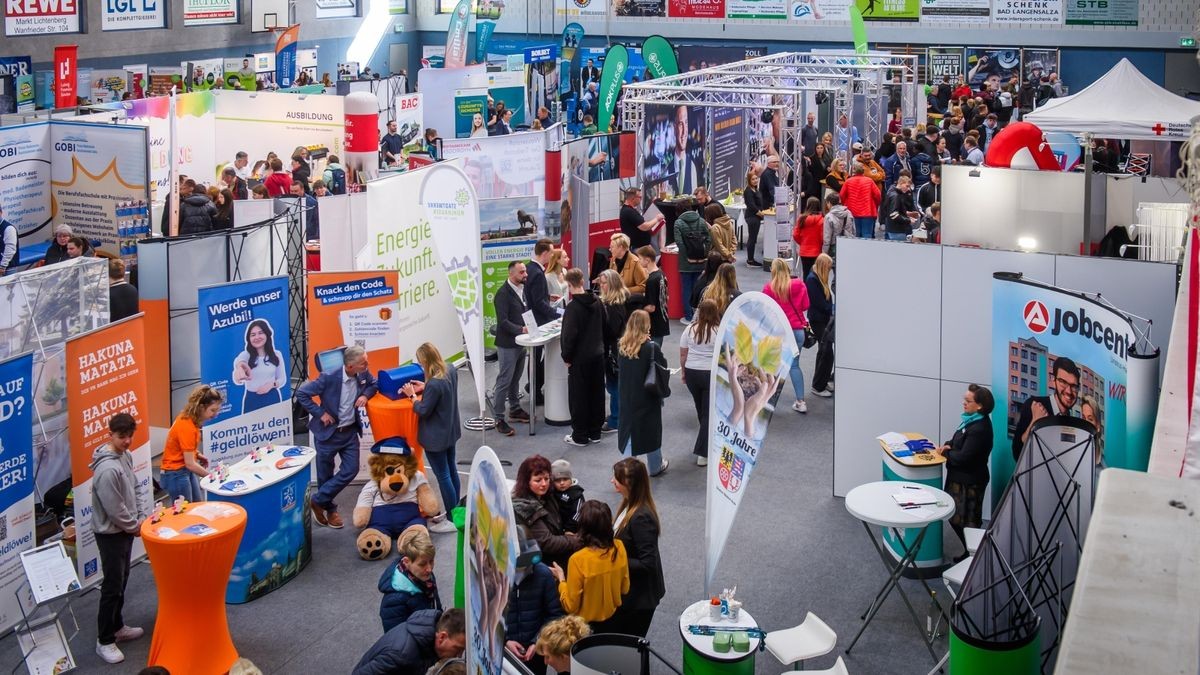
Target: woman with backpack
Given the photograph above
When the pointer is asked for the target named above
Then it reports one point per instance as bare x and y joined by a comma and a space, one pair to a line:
694, 240
809, 234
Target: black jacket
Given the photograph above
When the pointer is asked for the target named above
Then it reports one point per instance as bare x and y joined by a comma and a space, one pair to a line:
614, 326
122, 301
54, 254
406, 649
767, 182
641, 413
509, 323
820, 309
1024, 420
646, 584
537, 294
754, 204
569, 502
582, 329
196, 214
532, 603
970, 448
893, 213
927, 194
544, 524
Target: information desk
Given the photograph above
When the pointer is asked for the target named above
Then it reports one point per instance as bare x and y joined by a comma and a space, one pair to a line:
699, 657
876, 504
278, 541
391, 418
555, 388
926, 469
191, 555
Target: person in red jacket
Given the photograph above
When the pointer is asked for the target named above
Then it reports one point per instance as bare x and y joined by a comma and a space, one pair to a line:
808, 233
861, 195
279, 183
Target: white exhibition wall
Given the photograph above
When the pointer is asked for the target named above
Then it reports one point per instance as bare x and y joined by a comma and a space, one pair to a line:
1124, 193
437, 86
914, 329
997, 207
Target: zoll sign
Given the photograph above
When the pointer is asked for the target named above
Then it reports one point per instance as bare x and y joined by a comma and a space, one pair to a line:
40, 17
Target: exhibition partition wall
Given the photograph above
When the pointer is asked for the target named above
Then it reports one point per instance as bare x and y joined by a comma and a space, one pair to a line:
594, 171
943, 313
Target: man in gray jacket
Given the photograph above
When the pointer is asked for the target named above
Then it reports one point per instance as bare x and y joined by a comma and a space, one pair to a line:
117, 515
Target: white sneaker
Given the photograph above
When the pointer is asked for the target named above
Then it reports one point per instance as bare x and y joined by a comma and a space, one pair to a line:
701, 461
443, 526
110, 653
829, 387
570, 440
128, 633
800, 407
822, 394
685, 321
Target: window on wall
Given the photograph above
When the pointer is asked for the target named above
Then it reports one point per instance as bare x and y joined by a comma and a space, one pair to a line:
337, 9
444, 6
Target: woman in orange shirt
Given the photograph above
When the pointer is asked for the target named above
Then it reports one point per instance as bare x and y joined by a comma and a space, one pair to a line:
182, 461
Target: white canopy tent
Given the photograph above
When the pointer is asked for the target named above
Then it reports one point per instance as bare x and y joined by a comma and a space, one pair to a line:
1123, 103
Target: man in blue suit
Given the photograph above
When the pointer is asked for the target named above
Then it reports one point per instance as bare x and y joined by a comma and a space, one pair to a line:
335, 429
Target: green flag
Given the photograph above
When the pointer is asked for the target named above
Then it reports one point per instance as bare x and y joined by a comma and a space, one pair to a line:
616, 61
659, 56
859, 29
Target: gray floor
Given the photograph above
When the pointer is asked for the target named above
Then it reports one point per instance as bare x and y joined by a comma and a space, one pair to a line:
794, 549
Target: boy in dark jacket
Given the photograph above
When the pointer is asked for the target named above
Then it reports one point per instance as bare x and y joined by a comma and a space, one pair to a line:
567, 494
532, 603
409, 586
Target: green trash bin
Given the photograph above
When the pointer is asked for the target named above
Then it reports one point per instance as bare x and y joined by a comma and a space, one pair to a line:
458, 515
971, 656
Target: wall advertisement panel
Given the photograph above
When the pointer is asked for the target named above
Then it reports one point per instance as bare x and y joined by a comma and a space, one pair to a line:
209, 12
756, 9
1107, 13
1056, 352
41, 18
696, 9
956, 11
268, 122
944, 61
889, 10
244, 353
993, 65
513, 165
576, 8
106, 375
133, 15
1038, 63
336, 9
808, 10
1028, 12
25, 179
97, 172
16, 65
16, 480
632, 7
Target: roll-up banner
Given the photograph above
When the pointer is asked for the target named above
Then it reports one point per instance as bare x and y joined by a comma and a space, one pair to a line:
106, 374
1057, 352
16, 480
26, 202
491, 559
244, 354
456, 35
66, 80
616, 61
470, 113
754, 351
285, 56
487, 13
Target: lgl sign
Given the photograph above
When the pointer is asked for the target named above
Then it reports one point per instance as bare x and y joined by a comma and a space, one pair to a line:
133, 14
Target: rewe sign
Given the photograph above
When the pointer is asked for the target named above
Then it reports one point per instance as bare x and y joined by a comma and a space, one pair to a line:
40, 17
133, 14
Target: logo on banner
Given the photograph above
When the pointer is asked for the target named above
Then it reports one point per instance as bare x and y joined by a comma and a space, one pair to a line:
288, 497
582, 3
731, 470
1036, 316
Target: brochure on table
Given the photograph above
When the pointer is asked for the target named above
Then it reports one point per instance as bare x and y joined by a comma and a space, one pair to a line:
264, 466
50, 571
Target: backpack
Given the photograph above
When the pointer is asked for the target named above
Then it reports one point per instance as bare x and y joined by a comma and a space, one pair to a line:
693, 246
337, 181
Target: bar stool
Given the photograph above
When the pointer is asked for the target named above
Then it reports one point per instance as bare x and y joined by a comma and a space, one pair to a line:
810, 639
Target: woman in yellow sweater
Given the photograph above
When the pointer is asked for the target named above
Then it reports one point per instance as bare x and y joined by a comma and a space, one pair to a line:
599, 572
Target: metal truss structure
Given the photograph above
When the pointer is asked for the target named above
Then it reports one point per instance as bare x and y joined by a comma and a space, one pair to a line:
779, 83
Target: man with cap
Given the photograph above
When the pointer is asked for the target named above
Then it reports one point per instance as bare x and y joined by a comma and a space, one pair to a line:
567, 494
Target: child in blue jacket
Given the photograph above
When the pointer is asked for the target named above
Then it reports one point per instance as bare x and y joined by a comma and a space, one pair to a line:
409, 585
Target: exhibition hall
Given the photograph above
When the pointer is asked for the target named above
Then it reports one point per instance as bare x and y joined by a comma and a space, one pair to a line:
693, 337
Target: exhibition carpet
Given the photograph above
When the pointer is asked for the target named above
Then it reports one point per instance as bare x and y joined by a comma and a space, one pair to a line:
794, 549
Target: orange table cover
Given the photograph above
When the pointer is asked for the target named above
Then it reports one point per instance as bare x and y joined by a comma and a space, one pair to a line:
191, 555
395, 418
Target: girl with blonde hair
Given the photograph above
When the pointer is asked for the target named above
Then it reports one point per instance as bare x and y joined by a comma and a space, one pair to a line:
639, 431
556, 639
556, 281
792, 297
724, 288
440, 427
820, 315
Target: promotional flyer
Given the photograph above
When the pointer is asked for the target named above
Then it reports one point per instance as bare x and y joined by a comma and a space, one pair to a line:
1056, 352
106, 374
491, 559
754, 350
470, 113
16, 480
245, 354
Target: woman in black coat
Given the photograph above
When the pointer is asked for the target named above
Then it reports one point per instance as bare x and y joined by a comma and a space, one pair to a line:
967, 461
537, 512
639, 430
754, 204
637, 527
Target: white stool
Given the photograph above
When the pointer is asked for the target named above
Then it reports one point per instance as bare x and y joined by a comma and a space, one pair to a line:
810, 639
973, 535
838, 668
953, 577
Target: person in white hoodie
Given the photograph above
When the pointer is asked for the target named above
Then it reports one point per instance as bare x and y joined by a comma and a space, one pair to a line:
117, 515
838, 223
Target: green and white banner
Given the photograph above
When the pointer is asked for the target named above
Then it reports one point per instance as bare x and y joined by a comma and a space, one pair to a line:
456, 35
888, 10
659, 56
1102, 13
616, 61
755, 347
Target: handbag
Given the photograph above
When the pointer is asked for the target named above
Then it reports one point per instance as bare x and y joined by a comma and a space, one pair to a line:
658, 376
810, 337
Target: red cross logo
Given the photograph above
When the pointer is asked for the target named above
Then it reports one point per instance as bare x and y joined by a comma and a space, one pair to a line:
1037, 318
1158, 129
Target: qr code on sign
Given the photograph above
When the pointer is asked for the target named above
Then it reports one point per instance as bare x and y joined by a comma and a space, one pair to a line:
3, 528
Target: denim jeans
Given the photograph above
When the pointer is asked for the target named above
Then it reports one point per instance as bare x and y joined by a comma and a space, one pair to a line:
343, 445
687, 280
897, 236
181, 483
865, 227
445, 470
654, 459
796, 374
614, 405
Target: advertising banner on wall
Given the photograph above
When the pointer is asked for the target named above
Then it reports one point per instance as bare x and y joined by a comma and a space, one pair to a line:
41, 18
637, 7
808, 10
1107, 13
269, 122
696, 9
1028, 12
946, 61
577, 8
470, 113
956, 11
16, 65
26, 202
209, 12
1038, 63
16, 480
993, 65
244, 354
1057, 352
106, 374
754, 351
492, 549
66, 77
97, 170
133, 15
756, 9
502, 166
337, 9
889, 10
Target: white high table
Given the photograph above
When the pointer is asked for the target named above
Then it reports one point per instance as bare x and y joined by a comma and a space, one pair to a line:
874, 504
557, 411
